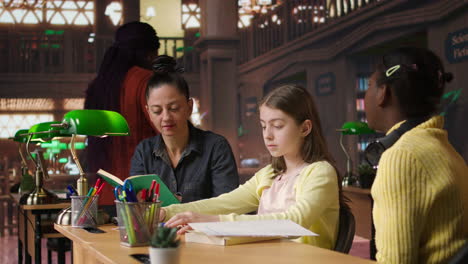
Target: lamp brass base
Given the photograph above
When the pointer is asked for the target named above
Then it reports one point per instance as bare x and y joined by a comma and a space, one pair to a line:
39, 196
64, 217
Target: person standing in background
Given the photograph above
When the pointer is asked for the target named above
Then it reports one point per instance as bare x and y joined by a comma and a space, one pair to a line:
120, 86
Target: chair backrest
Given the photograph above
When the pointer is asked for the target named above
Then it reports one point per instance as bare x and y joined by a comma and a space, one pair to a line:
346, 231
461, 256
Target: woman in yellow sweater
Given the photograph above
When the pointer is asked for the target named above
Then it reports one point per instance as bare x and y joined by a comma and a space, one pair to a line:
420, 191
300, 184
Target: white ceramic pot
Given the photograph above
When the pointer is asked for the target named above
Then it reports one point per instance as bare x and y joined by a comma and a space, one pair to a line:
164, 255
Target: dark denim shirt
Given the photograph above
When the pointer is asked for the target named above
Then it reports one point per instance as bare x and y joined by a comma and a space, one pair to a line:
206, 169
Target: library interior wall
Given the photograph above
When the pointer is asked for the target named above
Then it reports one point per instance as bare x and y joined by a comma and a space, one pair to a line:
456, 118
339, 106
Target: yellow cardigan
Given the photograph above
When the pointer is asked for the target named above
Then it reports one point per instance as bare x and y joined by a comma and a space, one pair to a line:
420, 197
316, 207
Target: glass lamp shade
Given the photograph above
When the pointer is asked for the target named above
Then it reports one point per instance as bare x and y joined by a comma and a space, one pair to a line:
355, 128
45, 131
94, 123
90, 122
21, 136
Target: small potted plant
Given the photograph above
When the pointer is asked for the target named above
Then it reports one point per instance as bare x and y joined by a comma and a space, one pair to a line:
366, 175
164, 245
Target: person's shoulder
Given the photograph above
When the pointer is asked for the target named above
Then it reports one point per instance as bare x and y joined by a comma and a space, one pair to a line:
265, 171
148, 143
412, 145
320, 166
423, 139
139, 70
318, 173
137, 73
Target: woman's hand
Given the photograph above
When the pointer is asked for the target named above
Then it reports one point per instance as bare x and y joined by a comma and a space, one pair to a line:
182, 219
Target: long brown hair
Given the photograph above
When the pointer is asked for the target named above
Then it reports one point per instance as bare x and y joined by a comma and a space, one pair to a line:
296, 102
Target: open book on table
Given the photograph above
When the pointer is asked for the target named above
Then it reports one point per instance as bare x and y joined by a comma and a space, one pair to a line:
239, 232
140, 182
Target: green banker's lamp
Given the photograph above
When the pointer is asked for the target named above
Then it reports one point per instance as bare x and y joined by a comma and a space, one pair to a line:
41, 132
351, 128
27, 181
99, 123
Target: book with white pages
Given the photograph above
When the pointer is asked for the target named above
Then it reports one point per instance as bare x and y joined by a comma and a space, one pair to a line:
238, 232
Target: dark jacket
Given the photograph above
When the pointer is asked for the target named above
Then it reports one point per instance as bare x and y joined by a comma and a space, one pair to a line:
206, 169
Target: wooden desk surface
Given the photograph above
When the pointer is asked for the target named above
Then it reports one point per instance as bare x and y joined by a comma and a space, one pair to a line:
106, 248
62, 204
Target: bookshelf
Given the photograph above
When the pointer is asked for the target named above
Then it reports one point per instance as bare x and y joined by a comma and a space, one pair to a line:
362, 83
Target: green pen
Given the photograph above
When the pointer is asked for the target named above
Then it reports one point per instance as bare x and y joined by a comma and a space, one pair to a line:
85, 201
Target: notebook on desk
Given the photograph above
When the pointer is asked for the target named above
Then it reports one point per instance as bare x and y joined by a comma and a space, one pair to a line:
239, 232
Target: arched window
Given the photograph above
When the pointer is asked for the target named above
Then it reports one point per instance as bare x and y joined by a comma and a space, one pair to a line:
51, 12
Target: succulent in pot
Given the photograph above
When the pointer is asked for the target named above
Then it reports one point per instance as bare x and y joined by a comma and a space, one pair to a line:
164, 246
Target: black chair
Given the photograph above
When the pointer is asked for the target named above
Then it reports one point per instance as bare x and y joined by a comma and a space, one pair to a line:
461, 256
61, 245
346, 231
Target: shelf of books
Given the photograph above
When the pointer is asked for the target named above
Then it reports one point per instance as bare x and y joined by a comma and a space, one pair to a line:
362, 83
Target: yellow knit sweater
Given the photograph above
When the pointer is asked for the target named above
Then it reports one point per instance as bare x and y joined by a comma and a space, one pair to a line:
316, 208
420, 198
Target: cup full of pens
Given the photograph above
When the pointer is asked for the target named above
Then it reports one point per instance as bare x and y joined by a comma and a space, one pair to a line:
84, 207
138, 218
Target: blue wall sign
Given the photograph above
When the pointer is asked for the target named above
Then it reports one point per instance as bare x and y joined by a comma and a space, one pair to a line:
456, 46
325, 84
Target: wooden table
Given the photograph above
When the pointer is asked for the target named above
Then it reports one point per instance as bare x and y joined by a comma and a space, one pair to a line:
361, 207
105, 248
31, 228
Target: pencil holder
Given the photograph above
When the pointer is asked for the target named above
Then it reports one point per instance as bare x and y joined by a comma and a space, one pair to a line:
84, 211
150, 212
137, 221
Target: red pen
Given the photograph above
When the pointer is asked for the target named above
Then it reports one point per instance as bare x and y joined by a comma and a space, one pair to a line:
150, 192
98, 182
100, 188
144, 194
156, 198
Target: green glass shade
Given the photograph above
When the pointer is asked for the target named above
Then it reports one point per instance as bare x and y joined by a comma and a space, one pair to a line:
95, 123
44, 131
355, 128
21, 136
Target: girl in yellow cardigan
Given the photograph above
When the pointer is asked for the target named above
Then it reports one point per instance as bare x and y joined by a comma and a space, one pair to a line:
420, 191
300, 184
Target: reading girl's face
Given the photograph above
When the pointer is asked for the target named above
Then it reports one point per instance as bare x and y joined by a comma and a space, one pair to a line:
281, 134
168, 109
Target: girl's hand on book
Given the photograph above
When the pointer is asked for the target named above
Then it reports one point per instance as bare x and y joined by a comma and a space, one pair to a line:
162, 215
182, 219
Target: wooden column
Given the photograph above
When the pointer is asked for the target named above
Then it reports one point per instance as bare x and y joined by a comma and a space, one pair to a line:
131, 11
218, 45
104, 30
